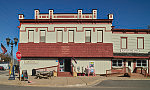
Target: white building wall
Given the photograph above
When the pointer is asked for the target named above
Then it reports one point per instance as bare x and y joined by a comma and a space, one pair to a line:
34, 64
79, 34
131, 42
101, 64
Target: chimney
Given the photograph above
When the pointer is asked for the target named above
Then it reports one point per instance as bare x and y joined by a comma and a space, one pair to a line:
21, 16
51, 13
94, 13
36, 13
110, 16
79, 13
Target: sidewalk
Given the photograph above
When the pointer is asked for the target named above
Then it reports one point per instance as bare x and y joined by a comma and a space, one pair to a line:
81, 81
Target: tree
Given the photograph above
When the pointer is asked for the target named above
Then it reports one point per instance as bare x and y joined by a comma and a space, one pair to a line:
5, 57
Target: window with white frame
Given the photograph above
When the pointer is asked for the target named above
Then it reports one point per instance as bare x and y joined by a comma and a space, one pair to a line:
42, 36
59, 36
87, 36
117, 63
71, 35
123, 42
140, 42
31, 36
141, 63
99, 36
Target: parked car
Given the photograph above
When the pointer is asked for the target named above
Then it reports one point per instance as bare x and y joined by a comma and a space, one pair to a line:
2, 68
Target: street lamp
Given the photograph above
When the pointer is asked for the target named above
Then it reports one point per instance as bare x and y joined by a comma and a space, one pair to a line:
12, 60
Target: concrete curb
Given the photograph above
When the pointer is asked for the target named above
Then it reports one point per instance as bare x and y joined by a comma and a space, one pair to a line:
83, 84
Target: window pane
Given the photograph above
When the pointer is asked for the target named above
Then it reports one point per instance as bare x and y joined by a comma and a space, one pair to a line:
119, 62
42, 36
144, 63
42, 39
31, 36
114, 62
71, 36
138, 62
124, 43
88, 36
140, 43
59, 36
99, 35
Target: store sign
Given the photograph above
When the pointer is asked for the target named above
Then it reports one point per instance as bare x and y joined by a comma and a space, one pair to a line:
129, 51
30, 62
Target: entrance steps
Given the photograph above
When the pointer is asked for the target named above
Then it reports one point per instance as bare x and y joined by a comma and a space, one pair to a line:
64, 74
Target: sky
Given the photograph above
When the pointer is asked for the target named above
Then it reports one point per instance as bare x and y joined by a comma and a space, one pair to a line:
128, 14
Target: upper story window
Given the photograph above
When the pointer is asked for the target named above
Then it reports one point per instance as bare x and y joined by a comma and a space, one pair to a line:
117, 63
124, 43
141, 63
71, 36
42, 36
31, 36
59, 36
87, 36
99, 36
140, 42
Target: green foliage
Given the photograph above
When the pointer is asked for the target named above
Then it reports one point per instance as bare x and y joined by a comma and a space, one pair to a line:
5, 57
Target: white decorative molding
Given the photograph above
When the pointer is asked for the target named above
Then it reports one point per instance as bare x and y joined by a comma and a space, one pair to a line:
129, 51
30, 62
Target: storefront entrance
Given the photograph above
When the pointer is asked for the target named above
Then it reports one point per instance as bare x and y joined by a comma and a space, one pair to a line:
129, 63
65, 64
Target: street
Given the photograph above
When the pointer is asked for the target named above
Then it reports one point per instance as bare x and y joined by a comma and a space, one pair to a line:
125, 83
104, 85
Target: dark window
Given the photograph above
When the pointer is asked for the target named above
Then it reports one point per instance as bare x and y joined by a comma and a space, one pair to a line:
117, 63
141, 63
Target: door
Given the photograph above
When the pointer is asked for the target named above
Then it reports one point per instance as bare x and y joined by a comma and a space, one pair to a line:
130, 64
61, 65
65, 65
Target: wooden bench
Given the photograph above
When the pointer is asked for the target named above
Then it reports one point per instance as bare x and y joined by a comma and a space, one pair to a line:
44, 74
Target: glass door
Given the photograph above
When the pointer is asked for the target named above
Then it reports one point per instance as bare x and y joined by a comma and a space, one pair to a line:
62, 68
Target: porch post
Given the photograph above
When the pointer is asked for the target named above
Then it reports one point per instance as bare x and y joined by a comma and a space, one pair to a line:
149, 66
124, 61
134, 65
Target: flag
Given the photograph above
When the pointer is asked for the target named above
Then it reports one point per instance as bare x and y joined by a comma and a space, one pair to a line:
3, 48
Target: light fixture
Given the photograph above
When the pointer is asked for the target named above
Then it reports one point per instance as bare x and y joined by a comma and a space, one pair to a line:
7, 40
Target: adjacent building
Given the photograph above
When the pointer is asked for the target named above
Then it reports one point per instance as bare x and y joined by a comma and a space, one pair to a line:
71, 42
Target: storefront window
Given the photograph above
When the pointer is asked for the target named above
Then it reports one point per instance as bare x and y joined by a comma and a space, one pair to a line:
117, 63
141, 63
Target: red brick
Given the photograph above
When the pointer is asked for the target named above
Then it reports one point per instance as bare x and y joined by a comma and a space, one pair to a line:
66, 49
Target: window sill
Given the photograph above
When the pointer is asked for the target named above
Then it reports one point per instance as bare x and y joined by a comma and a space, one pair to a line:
140, 48
117, 67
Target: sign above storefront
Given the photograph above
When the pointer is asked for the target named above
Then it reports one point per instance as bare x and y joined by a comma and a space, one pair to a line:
129, 51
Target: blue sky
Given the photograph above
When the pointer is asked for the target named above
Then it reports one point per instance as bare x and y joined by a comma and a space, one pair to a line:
129, 14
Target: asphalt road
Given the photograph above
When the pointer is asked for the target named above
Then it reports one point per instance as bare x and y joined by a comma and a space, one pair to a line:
125, 83
105, 85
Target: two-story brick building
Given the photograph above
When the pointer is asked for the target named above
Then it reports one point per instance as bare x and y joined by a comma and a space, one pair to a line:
74, 40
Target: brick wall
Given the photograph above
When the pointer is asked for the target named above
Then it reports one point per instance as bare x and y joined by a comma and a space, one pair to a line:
66, 49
